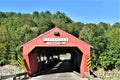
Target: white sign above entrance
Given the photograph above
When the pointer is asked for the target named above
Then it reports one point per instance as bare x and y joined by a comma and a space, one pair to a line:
56, 39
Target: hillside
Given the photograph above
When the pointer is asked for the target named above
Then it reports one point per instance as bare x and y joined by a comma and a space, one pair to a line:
18, 28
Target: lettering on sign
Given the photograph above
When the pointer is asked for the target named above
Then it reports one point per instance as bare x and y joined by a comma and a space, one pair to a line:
56, 39
61, 41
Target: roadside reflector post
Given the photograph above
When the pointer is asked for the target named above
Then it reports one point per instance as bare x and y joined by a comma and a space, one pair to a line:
20, 61
89, 62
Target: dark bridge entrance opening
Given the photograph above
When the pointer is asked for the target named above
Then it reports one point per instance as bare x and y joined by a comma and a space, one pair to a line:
57, 59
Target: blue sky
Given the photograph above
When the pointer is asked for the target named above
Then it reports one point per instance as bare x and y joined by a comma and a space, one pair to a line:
86, 11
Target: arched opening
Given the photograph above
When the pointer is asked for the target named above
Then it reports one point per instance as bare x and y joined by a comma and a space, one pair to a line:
57, 59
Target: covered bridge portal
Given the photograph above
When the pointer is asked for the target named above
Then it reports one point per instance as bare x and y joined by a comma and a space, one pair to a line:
56, 51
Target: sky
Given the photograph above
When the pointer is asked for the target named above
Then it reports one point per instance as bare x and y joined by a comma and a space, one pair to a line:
86, 11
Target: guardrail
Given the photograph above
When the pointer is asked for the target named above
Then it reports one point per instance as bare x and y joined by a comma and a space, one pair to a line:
14, 76
91, 77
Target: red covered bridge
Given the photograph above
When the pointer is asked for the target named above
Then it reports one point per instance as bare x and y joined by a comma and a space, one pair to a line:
45, 51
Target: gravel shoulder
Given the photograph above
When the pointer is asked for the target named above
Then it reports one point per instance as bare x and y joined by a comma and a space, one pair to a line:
9, 69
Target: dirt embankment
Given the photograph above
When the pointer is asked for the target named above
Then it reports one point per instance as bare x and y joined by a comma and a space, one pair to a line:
108, 75
9, 69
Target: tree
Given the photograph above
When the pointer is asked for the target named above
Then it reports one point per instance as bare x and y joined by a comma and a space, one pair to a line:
4, 37
117, 25
88, 32
74, 28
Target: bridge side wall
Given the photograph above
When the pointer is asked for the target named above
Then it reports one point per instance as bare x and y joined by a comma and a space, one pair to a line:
31, 63
83, 67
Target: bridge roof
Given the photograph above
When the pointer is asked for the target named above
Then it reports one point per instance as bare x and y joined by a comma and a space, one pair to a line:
55, 37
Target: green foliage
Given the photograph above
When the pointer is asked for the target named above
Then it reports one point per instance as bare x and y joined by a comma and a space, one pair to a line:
18, 28
112, 49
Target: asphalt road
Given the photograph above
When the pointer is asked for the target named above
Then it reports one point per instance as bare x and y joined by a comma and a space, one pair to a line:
61, 71
59, 76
